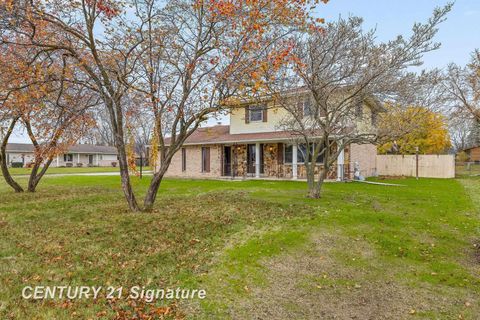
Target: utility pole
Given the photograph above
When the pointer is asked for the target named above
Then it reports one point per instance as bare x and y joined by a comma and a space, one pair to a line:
416, 162
141, 164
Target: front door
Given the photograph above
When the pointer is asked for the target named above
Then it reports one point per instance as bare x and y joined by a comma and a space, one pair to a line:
227, 161
90, 159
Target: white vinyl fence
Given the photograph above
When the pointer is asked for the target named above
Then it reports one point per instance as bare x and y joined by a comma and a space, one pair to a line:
429, 166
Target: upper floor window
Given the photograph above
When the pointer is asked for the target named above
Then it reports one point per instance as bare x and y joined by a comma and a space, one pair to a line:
256, 114
305, 106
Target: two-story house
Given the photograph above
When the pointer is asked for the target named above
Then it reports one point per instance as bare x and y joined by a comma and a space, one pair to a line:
254, 146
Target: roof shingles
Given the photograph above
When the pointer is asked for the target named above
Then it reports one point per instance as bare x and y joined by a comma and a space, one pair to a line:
79, 148
221, 134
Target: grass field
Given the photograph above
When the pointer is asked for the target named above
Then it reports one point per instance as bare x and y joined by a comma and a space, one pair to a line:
75, 170
464, 170
260, 249
27, 171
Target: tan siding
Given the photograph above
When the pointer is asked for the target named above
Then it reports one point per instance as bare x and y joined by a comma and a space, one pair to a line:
239, 124
430, 166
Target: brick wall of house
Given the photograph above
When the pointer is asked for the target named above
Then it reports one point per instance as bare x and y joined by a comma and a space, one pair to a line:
270, 160
474, 154
239, 158
365, 155
194, 163
302, 171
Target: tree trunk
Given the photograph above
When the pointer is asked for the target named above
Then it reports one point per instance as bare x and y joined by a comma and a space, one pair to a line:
314, 192
35, 177
315, 187
151, 195
310, 179
125, 177
6, 173
3, 159
116, 117
32, 181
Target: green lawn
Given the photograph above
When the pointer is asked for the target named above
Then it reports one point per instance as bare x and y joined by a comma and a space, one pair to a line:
259, 248
27, 171
472, 169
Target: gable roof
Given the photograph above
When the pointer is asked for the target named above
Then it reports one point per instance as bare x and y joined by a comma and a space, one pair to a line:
370, 100
78, 148
470, 148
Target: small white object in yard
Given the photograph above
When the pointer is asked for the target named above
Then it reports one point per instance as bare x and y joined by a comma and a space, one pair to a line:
356, 173
381, 183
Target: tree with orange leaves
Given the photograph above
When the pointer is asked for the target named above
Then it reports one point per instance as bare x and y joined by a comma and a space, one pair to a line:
37, 94
217, 53
186, 58
427, 131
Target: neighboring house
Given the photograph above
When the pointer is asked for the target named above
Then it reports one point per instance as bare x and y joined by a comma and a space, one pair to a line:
253, 146
473, 153
77, 155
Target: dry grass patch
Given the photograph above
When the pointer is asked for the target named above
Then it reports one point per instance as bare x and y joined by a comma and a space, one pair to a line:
318, 282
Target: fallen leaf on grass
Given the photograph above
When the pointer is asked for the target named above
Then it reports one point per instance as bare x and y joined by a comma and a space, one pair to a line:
194, 241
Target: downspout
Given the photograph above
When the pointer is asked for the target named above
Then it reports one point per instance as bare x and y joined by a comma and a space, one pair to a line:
341, 165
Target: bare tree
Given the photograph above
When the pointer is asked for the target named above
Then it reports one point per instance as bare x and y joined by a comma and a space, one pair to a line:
336, 71
462, 85
101, 132
462, 133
